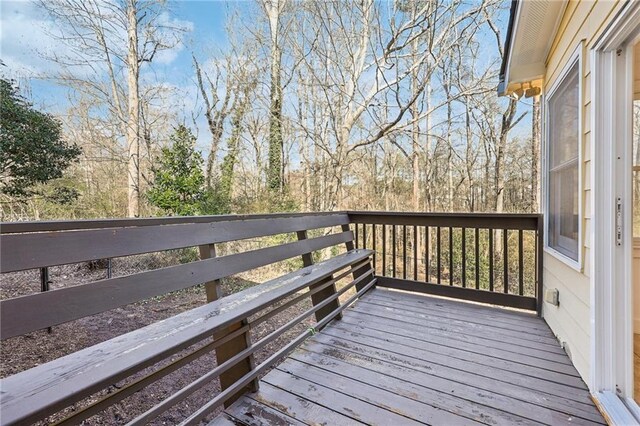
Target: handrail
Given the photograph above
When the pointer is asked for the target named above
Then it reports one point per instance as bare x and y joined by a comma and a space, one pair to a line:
62, 225
486, 257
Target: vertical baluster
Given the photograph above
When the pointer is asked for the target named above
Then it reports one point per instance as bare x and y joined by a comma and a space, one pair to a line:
426, 254
505, 249
375, 245
439, 253
393, 249
539, 284
490, 259
356, 236
384, 250
520, 264
415, 253
45, 284
464, 257
404, 252
364, 236
477, 241
450, 256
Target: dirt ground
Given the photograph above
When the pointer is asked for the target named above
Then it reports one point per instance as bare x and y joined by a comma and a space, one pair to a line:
21, 353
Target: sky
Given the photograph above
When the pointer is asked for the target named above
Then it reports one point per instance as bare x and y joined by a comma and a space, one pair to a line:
24, 36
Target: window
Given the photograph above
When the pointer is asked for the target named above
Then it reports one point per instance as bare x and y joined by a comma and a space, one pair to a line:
563, 120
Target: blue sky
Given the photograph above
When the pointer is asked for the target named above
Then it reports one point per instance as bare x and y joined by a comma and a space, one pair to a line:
23, 33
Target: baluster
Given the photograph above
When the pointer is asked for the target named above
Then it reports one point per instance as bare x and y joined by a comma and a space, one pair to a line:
505, 249
477, 241
375, 245
464, 257
393, 249
490, 259
415, 253
439, 253
450, 256
364, 236
520, 264
426, 254
384, 250
404, 252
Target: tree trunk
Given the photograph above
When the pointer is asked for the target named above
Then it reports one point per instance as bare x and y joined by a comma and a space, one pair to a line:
275, 167
535, 155
507, 121
133, 117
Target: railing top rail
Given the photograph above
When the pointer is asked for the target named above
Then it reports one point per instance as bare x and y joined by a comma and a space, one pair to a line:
441, 214
67, 225
519, 221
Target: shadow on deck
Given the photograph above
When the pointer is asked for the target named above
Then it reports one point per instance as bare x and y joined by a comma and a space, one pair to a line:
396, 358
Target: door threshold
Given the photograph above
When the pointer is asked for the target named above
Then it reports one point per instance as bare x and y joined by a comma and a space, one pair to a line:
632, 405
615, 410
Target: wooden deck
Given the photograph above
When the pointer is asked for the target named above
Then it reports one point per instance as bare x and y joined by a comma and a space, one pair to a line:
398, 358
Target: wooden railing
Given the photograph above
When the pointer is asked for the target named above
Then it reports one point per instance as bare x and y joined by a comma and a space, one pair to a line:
140, 358
484, 257
491, 258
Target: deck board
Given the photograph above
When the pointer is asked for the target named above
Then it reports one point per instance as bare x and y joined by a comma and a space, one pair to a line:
398, 358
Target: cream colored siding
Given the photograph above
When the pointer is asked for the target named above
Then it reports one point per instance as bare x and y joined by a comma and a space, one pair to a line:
581, 24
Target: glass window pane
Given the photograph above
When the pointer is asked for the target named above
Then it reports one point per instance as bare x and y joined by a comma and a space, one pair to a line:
563, 173
563, 120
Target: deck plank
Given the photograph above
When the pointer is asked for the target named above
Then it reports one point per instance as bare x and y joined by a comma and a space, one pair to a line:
523, 337
299, 408
473, 380
431, 302
456, 333
484, 355
247, 411
453, 311
337, 401
396, 358
313, 367
435, 362
519, 412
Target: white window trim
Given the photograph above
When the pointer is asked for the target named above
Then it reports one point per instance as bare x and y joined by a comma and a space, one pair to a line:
576, 57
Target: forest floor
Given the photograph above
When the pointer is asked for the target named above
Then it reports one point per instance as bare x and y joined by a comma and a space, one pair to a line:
24, 352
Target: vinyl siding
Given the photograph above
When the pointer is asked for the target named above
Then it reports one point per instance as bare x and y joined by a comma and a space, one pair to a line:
582, 22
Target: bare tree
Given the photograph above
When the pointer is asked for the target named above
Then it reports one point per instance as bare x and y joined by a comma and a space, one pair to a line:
274, 10
108, 43
216, 110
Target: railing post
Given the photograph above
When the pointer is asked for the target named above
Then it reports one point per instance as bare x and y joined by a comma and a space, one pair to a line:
362, 270
232, 347
319, 297
539, 263
45, 283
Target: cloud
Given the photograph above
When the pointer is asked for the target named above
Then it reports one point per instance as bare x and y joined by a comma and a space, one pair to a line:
24, 32
25, 38
164, 20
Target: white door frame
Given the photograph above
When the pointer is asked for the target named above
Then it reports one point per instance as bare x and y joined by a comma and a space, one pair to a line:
611, 378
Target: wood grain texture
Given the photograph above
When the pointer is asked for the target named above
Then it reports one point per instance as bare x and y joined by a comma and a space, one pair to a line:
377, 364
48, 387
33, 250
67, 304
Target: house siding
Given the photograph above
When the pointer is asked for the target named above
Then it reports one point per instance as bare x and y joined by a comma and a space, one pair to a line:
581, 24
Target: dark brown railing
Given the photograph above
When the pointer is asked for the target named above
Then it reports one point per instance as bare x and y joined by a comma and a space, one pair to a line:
490, 258
484, 257
318, 292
